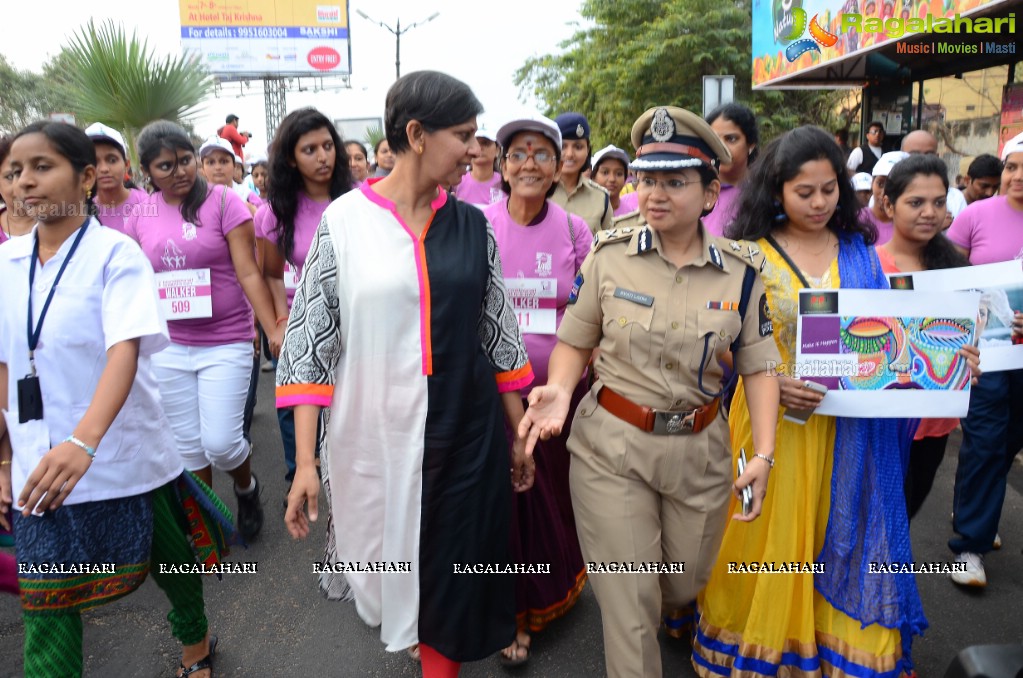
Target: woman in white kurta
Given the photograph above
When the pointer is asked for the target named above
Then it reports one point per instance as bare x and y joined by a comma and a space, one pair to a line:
401, 325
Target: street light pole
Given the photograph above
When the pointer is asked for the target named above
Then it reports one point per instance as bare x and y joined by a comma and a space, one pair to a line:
397, 31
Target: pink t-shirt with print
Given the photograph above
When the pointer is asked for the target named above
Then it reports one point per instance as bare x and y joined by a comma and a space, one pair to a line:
991, 229
307, 219
172, 244
539, 260
480, 193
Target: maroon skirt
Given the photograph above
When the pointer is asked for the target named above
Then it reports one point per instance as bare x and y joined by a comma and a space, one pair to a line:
543, 536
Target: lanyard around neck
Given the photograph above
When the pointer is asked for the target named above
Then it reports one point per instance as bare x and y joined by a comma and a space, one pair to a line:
33, 334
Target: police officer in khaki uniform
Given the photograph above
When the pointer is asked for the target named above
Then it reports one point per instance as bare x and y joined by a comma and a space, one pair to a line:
651, 465
574, 192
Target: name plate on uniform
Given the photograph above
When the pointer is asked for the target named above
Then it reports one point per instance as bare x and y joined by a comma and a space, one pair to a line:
185, 294
292, 274
535, 301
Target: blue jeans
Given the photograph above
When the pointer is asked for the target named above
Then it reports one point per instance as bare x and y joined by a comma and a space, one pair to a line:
992, 435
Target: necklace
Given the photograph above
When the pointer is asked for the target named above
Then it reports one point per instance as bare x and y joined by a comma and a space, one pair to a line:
799, 244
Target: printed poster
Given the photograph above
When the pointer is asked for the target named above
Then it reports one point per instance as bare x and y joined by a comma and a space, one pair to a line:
887, 353
1001, 294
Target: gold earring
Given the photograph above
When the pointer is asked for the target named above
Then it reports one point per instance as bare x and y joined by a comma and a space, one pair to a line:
706, 206
420, 149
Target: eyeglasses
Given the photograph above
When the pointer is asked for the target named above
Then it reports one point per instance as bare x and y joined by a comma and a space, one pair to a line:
876, 130
669, 186
520, 158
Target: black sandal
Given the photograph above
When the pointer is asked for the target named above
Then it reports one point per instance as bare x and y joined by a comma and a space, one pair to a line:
203, 664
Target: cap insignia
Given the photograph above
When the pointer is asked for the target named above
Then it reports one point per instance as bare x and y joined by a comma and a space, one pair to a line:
662, 127
580, 131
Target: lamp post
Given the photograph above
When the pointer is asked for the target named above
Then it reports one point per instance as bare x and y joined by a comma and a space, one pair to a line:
398, 31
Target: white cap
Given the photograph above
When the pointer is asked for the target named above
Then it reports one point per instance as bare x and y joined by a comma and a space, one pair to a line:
610, 151
861, 181
887, 161
216, 144
238, 159
99, 132
1013, 145
485, 129
532, 122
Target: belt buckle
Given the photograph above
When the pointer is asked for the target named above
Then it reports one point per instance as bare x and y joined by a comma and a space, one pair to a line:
673, 423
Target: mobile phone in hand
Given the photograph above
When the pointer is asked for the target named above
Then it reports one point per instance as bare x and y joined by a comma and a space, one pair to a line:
801, 416
747, 492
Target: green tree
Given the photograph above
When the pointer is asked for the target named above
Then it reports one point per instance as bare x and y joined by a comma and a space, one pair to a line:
635, 54
117, 79
28, 97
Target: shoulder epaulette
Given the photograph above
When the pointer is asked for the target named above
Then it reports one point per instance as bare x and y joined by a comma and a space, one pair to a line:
612, 235
744, 250
633, 219
594, 184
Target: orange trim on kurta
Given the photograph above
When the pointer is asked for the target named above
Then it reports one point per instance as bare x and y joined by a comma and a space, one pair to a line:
425, 309
515, 375
325, 390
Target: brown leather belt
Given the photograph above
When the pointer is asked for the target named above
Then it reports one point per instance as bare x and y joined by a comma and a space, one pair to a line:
660, 422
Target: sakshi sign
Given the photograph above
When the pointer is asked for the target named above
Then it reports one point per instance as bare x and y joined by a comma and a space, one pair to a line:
267, 37
790, 36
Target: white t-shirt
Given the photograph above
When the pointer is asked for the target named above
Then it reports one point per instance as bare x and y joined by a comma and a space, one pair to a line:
106, 295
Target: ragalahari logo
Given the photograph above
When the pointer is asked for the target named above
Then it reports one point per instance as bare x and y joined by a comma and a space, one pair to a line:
818, 36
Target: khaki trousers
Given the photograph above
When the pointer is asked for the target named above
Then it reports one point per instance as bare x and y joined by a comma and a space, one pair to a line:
641, 498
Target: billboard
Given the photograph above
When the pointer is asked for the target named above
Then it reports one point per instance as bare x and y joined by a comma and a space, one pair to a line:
257, 38
793, 36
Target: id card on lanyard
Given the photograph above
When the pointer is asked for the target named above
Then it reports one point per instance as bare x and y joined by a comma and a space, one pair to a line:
30, 395
535, 301
185, 294
292, 276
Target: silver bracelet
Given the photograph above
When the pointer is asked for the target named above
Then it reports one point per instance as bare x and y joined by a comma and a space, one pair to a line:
91, 451
769, 460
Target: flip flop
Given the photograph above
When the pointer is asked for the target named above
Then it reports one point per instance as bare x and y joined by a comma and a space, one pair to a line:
204, 663
517, 659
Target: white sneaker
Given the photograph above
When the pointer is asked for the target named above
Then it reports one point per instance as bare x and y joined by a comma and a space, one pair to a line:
997, 543
974, 574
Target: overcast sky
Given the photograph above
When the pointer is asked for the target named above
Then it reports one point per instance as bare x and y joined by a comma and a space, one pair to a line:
478, 41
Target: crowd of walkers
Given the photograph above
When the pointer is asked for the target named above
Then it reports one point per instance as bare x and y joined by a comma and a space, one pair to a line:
496, 349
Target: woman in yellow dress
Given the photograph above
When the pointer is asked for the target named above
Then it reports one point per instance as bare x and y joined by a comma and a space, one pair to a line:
835, 499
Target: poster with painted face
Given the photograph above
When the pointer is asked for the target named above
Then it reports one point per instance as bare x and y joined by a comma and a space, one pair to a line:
1001, 296
887, 353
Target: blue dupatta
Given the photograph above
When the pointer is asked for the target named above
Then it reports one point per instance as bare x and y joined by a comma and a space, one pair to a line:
868, 522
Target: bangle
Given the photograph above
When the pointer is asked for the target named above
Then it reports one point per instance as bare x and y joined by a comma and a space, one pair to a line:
5, 462
91, 451
769, 460
282, 319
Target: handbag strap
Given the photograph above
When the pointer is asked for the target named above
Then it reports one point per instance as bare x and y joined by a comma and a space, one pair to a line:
788, 260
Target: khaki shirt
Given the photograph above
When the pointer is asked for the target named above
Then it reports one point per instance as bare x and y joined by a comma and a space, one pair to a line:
589, 200
630, 219
652, 320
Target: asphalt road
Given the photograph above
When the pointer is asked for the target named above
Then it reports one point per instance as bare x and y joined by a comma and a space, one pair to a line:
276, 623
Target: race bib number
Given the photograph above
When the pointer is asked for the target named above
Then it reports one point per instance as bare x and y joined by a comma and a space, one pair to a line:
292, 274
185, 294
535, 301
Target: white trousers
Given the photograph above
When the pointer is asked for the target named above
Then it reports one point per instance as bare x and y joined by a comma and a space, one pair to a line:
203, 389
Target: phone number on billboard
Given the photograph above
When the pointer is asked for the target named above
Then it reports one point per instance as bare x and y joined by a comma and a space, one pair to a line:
262, 32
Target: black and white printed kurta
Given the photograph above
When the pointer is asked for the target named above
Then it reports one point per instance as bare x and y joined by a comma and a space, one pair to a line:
409, 341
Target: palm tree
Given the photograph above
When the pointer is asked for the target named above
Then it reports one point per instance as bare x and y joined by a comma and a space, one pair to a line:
118, 80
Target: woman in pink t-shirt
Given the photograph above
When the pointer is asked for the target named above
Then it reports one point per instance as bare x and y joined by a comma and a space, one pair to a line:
310, 168
482, 185
914, 201
116, 200
199, 239
542, 248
